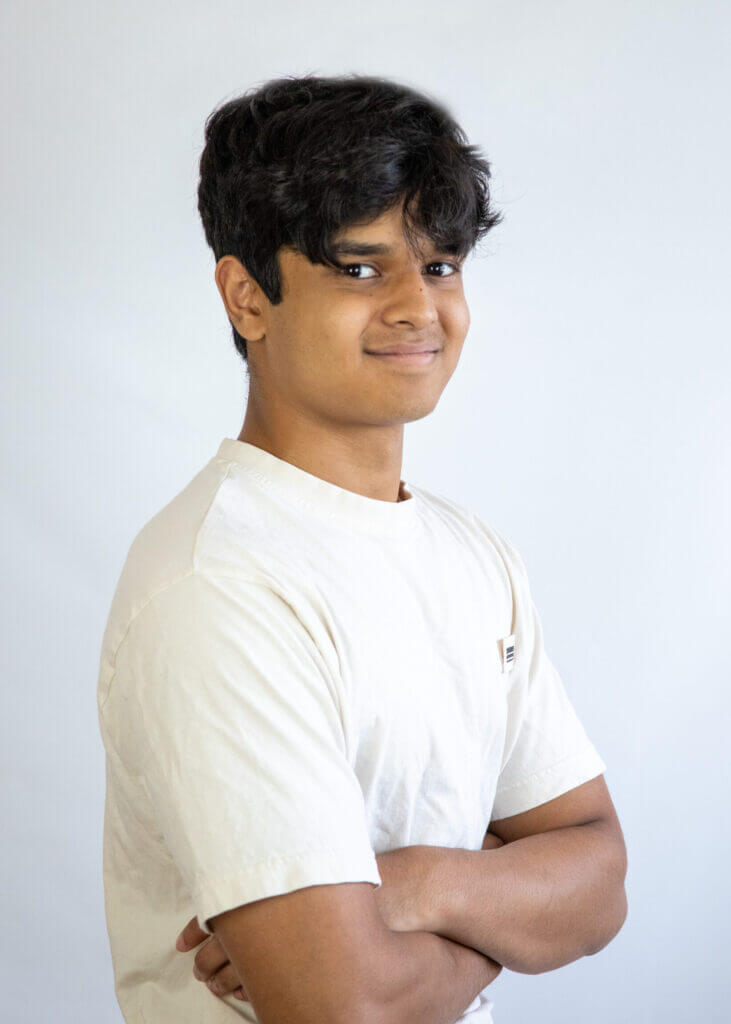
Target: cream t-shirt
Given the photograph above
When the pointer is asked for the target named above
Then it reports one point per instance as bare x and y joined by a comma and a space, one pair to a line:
295, 677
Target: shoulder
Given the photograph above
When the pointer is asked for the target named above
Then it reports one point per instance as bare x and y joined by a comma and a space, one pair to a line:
210, 528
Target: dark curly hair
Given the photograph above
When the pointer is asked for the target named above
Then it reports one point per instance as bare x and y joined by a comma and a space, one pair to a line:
299, 158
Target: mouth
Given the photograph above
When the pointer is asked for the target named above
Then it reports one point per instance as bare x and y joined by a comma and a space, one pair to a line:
407, 358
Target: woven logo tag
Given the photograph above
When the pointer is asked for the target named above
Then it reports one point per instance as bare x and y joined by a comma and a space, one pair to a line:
507, 651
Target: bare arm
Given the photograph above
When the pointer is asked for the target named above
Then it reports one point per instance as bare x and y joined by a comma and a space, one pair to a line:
429, 983
552, 894
349, 966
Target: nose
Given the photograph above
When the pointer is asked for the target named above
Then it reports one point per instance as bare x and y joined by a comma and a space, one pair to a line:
410, 301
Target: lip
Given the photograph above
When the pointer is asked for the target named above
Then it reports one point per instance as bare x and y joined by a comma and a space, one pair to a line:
404, 348
421, 357
406, 356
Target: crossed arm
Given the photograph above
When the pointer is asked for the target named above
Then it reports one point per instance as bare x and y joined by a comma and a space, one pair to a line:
546, 889
552, 894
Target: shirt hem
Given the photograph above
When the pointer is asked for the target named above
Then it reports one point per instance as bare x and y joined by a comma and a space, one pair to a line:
279, 875
549, 783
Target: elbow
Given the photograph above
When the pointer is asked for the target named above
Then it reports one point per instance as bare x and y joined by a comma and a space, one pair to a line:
612, 923
549, 958
614, 905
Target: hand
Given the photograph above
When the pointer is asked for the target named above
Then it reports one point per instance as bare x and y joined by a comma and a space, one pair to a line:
491, 841
211, 963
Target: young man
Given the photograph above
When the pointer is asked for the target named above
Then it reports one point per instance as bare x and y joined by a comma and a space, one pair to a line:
335, 743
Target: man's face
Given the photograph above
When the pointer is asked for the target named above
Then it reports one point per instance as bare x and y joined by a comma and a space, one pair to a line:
320, 340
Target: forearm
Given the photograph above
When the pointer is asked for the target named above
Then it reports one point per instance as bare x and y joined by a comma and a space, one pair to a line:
532, 905
428, 979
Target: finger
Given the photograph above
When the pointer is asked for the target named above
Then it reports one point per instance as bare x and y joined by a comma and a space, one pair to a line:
491, 841
210, 958
191, 936
225, 981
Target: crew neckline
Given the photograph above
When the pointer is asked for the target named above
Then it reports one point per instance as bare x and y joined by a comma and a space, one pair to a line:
326, 499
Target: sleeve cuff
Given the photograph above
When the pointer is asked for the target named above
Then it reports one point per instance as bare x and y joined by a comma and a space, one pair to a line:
547, 784
281, 875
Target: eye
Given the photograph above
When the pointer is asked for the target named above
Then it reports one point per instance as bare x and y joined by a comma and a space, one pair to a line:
443, 263
346, 267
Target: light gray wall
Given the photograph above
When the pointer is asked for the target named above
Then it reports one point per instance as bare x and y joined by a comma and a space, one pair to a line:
586, 419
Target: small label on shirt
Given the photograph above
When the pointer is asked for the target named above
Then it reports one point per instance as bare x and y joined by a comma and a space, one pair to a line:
507, 650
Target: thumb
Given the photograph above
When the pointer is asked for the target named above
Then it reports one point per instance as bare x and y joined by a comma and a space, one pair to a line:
191, 936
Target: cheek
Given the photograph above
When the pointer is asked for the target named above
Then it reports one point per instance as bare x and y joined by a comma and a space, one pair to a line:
457, 321
345, 321
321, 358
339, 336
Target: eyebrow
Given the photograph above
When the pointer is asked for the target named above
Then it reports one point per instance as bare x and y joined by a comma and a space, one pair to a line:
350, 247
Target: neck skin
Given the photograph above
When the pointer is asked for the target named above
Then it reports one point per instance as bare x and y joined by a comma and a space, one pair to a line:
366, 460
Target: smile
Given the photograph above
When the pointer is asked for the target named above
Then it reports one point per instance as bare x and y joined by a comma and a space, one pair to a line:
406, 358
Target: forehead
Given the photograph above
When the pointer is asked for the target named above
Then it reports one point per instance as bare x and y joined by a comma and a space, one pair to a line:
383, 235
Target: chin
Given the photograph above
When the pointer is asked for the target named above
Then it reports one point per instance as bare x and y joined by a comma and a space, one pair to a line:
415, 410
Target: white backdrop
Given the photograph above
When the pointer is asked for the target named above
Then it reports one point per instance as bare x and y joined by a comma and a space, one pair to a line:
586, 419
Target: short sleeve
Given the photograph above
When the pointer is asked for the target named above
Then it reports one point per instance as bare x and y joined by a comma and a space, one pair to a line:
547, 750
233, 714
